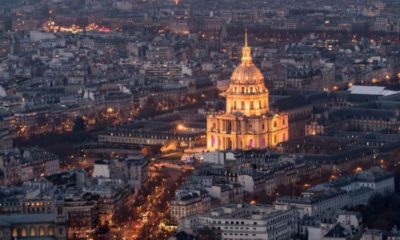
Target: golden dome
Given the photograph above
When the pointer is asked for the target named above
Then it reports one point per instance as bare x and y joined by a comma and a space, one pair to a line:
247, 93
247, 73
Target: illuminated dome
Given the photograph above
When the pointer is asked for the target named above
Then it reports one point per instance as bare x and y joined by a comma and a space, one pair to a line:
247, 73
247, 122
247, 93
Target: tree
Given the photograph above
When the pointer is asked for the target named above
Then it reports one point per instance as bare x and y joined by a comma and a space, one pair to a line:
79, 125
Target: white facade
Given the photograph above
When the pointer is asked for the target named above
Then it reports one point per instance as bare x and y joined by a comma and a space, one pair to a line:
220, 192
216, 157
101, 170
247, 222
256, 183
188, 203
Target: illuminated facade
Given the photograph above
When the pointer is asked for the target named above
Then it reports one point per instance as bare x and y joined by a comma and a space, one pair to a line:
247, 122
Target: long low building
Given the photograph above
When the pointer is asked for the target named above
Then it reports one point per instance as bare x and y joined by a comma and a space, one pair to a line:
150, 138
316, 205
175, 129
33, 226
244, 221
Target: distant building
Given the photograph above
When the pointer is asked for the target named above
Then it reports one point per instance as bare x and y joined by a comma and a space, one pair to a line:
189, 202
28, 164
82, 214
327, 198
112, 199
242, 221
33, 226
38, 163
6, 142
133, 170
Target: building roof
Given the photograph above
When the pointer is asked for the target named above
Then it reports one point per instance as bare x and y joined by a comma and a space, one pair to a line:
27, 218
244, 211
339, 231
370, 90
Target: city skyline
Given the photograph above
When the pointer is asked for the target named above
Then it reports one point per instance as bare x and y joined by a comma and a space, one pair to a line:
199, 119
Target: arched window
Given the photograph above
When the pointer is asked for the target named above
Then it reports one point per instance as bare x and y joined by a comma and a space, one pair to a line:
251, 105
32, 232
15, 232
234, 104
242, 105
251, 89
242, 89
275, 124
50, 231
262, 142
24, 232
41, 231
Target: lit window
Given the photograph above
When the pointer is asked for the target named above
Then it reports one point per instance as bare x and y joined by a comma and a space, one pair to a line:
41, 231
251, 143
213, 141
51, 231
24, 232
32, 232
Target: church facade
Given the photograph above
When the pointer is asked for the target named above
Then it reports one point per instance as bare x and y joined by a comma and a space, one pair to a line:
247, 122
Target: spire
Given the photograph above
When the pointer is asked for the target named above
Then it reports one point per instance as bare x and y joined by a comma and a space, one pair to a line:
246, 51
245, 38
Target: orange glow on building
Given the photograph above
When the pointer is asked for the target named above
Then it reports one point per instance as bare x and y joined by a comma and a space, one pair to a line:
51, 26
247, 122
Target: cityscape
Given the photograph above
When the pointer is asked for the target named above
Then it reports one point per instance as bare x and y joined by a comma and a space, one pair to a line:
199, 120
